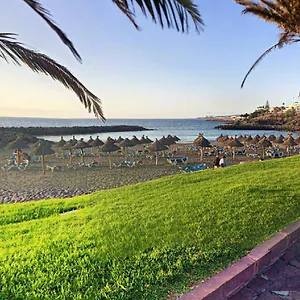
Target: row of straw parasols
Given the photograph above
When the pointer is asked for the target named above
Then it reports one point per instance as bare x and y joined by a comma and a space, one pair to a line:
112, 145
43, 147
261, 141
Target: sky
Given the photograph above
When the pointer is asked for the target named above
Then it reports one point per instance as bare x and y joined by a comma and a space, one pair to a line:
152, 73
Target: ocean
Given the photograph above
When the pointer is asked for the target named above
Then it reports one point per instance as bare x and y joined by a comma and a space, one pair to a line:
186, 129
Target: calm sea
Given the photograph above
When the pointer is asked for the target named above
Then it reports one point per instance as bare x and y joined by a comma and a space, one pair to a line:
186, 129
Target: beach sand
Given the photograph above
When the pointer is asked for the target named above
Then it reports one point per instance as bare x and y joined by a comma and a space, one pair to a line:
31, 184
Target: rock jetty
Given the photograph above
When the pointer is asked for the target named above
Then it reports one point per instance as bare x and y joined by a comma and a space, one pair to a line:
246, 127
44, 131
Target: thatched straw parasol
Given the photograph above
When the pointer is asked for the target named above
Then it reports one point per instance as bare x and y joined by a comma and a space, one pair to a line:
240, 138
135, 141
90, 140
271, 138
69, 146
201, 142
82, 145
176, 138
97, 142
297, 140
279, 139
143, 140
163, 140
42, 150
170, 140
289, 142
220, 137
248, 139
60, 143
256, 139
224, 139
41, 141
74, 141
17, 144
264, 143
112, 140
109, 147
149, 140
125, 144
156, 147
120, 139
234, 143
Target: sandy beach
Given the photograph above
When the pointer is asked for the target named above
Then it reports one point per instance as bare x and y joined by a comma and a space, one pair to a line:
30, 184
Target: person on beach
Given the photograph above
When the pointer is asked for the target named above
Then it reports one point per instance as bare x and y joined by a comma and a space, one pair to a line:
217, 161
223, 162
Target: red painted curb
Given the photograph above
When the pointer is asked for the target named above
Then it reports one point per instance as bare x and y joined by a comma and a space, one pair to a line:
230, 280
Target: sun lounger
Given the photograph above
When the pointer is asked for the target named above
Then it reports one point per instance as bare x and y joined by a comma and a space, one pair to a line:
55, 168
35, 159
193, 168
252, 154
20, 167
177, 160
127, 164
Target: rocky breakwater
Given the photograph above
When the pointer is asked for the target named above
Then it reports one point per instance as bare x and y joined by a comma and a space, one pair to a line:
9, 196
44, 131
247, 126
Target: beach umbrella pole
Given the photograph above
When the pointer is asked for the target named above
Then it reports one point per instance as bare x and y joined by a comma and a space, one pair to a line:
18, 157
201, 154
43, 164
82, 155
156, 159
70, 157
109, 160
233, 153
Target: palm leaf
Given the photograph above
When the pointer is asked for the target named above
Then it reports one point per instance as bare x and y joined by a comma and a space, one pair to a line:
12, 50
278, 45
46, 16
170, 13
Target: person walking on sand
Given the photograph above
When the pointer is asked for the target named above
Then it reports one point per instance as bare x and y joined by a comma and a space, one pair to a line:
217, 161
223, 162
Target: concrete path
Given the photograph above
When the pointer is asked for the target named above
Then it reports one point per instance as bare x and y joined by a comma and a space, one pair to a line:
279, 281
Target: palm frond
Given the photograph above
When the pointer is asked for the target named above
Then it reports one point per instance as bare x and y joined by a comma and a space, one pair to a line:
46, 16
12, 50
169, 13
278, 45
262, 10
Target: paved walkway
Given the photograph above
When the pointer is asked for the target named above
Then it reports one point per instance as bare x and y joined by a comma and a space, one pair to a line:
280, 281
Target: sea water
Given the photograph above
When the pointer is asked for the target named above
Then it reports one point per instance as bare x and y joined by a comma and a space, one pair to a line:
186, 129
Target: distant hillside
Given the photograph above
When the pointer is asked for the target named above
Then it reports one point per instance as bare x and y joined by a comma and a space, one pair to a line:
276, 120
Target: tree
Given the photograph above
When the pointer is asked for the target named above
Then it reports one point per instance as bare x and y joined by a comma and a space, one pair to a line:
171, 14
283, 13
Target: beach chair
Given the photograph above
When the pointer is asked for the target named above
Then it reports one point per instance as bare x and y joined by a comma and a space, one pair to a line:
35, 159
54, 168
20, 167
129, 164
177, 160
193, 168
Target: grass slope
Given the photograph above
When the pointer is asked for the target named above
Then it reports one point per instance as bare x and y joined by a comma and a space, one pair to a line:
143, 241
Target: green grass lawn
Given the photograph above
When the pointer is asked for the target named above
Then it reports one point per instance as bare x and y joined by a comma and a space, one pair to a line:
148, 240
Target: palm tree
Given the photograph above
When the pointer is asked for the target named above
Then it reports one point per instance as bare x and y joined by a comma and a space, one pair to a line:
283, 13
169, 13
